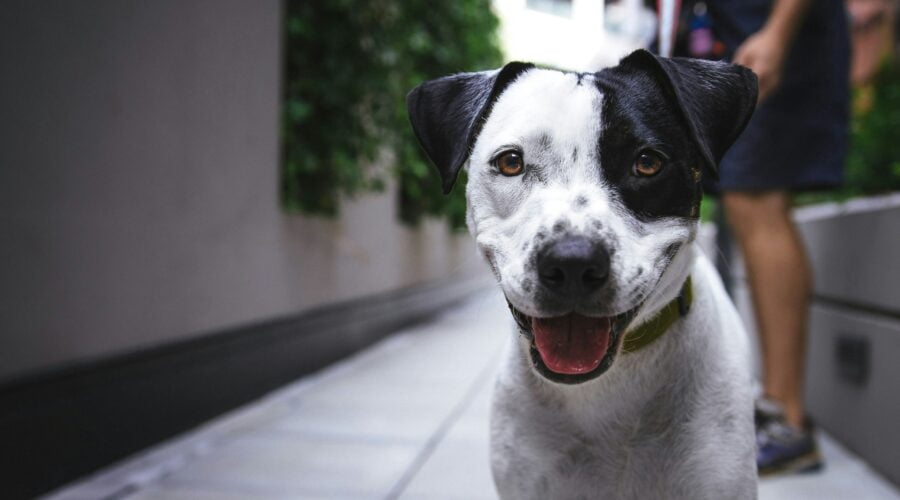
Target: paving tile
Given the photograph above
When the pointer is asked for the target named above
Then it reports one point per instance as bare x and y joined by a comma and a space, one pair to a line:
157, 493
195, 494
357, 429
844, 477
390, 423
473, 423
289, 464
459, 467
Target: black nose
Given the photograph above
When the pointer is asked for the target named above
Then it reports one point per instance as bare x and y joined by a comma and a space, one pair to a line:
573, 266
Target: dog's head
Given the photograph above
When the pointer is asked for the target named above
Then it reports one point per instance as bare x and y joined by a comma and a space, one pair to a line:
583, 187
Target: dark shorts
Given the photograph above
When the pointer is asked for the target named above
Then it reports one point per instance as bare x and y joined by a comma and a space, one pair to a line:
797, 138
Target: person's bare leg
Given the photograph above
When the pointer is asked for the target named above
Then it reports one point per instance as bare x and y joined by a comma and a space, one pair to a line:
780, 284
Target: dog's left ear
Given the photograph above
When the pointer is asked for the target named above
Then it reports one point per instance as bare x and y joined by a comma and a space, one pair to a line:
447, 114
717, 99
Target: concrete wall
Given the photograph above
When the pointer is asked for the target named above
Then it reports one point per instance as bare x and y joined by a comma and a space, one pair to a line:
139, 185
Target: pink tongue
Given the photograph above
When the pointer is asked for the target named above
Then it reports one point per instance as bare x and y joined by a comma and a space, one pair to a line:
571, 344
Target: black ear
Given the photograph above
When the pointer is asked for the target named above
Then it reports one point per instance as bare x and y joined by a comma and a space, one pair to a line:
447, 114
716, 98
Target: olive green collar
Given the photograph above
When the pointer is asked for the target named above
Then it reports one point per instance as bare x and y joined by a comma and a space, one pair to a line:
645, 334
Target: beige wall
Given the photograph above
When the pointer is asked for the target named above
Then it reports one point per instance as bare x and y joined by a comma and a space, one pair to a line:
138, 185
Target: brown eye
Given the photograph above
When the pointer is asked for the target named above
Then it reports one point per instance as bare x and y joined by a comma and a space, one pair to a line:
510, 163
648, 164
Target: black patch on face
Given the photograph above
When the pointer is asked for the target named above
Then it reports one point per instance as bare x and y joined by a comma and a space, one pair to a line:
690, 111
636, 116
581, 201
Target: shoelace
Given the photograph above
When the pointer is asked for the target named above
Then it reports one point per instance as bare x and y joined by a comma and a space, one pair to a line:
776, 432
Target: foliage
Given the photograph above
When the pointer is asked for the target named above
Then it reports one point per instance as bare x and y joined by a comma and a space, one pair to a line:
348, 68
874, 161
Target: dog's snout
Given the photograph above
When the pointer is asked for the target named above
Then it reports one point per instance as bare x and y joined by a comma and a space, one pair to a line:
573, 266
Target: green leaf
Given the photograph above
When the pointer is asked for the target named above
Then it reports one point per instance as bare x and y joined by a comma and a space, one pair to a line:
348, 67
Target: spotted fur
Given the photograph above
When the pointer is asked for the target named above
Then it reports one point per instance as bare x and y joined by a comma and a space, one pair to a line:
672, 420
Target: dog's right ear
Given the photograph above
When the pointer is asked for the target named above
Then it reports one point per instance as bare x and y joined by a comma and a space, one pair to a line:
447, 114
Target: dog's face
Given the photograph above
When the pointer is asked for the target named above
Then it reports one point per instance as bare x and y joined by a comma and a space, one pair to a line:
582, 187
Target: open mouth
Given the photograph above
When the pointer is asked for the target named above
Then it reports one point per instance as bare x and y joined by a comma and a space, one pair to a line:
573, 348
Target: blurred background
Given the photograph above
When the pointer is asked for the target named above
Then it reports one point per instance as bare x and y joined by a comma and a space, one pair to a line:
203, 201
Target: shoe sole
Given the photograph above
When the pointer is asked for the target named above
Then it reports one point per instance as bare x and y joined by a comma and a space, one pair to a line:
811, 462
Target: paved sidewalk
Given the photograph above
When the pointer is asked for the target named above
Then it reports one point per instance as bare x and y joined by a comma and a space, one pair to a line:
406, 418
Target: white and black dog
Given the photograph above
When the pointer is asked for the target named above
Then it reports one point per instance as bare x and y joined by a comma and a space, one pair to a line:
629, 375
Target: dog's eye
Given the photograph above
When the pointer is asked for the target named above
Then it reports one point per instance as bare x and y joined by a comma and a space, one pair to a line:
648, 164
510, 163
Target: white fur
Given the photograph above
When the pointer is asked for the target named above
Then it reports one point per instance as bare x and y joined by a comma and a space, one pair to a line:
670, 421
673, 420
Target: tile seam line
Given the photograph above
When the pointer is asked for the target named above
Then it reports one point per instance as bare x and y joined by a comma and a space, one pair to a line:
280, 396
435, 439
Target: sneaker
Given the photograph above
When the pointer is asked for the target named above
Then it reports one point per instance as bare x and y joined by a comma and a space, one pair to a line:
780, 448
764, 411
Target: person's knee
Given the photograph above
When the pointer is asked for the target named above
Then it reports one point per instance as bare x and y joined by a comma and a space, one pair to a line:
749, 211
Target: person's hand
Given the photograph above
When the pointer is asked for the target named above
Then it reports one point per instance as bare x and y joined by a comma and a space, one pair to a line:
764, 53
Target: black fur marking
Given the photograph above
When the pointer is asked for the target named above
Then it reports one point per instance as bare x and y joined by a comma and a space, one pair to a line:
715, 100
688, 111
581, 201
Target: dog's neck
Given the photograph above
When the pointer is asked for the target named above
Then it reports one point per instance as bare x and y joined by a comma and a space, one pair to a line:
670, 285
644, 335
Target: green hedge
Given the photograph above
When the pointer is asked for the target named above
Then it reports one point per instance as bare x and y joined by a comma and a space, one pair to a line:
873, 165
348, 68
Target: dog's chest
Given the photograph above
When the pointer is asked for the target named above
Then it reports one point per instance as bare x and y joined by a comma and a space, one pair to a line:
630, 465
616, 457
640, 437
